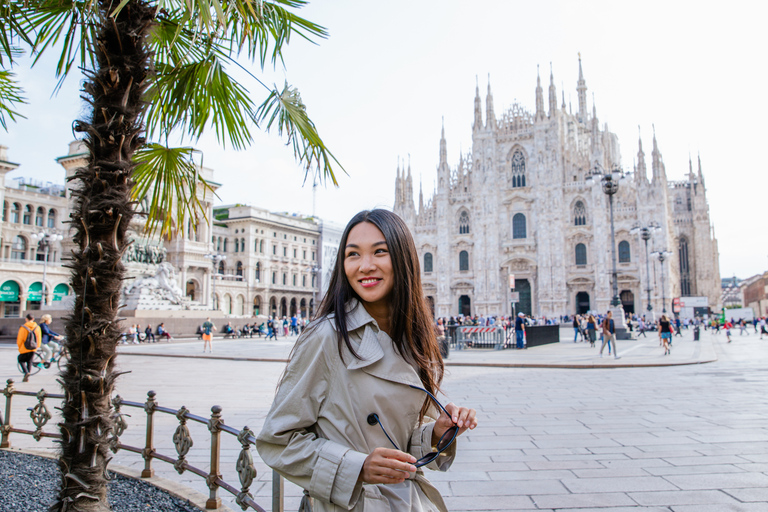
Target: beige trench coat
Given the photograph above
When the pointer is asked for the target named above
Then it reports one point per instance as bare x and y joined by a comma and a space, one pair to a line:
317, 434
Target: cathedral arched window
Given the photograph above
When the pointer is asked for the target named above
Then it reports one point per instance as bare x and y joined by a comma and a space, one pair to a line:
51, 218
428, 262
518, 226
464, 222
579, 214
239, 268
685, 270
40, 216
463, 260
518, 170
257, 272
28, 214
237, 245
15, 213
624, 253
581, 254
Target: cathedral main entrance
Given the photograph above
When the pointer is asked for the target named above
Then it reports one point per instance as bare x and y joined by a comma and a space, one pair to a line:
582, 303
523, 286
628, 301
464, 305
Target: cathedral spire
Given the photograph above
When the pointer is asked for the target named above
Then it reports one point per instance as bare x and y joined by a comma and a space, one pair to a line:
490, 117
641, 174
562, 87
657, 164
595, 126
552, 93
581, 88
443, 146
539, 96
478, 125
421, 196
701, 176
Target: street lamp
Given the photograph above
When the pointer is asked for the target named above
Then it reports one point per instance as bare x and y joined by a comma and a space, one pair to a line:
645, 233
44, 240
610, 185
662, 256
216, 258
314, 269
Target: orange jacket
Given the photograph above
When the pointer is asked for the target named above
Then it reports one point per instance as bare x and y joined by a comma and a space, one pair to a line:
22, 336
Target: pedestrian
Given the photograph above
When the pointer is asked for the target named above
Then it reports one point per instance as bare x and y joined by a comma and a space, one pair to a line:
272, 329
520, 329
48, 345
26, 353
148, 334
355, 416
576, 321
285, 326
762, 327
641, 327
677, 327
208, 328
727, 326
591, 330
665, 333
609, 336
743, 327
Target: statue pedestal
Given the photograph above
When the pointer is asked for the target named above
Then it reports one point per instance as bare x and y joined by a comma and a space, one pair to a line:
620, 323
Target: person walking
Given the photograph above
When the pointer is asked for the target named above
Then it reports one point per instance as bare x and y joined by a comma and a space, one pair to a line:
641, 327
208, 328
591, 330
609, 336
743, 327
355, 418
48, 339
272, 327
576, 322
728, 326
665, 333
29, 328
520, 329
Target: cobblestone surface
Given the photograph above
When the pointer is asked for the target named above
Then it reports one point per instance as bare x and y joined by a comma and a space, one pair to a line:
627, 437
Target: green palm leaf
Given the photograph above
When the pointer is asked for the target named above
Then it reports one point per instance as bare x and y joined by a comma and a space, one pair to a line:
169, 180
10, 94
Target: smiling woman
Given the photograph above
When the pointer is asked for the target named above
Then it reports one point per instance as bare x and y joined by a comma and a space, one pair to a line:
355, 385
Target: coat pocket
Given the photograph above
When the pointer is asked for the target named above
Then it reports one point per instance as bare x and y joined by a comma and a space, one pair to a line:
373, 501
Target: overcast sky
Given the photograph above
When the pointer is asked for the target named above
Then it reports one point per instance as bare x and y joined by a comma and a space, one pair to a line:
380, 85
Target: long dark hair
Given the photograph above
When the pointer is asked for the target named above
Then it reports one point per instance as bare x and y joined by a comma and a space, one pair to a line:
411, 323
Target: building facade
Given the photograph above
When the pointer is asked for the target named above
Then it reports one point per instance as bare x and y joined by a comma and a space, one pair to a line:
271, 265
526, 201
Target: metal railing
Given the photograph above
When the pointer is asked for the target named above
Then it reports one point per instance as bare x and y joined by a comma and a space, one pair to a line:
463, 336
182, 441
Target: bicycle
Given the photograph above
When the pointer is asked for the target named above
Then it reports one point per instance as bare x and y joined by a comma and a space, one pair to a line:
36, 363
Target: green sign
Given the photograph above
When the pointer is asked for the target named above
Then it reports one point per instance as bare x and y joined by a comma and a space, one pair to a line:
61, 291
35, 292
9, 292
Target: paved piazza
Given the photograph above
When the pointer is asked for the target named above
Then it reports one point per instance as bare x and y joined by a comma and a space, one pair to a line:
688, 438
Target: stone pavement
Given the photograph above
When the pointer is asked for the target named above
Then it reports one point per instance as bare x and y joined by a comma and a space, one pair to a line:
553, 434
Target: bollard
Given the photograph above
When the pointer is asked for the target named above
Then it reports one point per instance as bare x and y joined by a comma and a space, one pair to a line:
278, 488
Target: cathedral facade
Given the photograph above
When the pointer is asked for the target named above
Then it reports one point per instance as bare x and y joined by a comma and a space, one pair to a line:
527, 202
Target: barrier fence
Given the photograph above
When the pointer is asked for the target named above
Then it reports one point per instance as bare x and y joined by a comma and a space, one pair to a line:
182, 441
463, 336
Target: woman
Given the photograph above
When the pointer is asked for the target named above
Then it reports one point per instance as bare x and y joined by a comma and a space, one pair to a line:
361, 382
665, 333
591, 329
48, 346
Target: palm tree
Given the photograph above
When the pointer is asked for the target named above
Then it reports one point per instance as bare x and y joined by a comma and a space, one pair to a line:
160, 64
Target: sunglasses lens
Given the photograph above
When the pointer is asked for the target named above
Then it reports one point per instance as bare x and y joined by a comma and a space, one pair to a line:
426, 459
447, 438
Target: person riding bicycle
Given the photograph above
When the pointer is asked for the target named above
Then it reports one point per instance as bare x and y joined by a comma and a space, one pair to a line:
25, 354
48, 347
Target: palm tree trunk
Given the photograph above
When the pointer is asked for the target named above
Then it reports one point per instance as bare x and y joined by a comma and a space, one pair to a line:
101, 215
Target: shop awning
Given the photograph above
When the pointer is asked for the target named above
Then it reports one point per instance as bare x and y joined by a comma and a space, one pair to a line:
9, 291
61, 291
35, 292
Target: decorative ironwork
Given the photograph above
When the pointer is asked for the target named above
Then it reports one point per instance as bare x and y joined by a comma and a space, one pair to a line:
245, 469
39, 414
182, 439
120, 425
6, 424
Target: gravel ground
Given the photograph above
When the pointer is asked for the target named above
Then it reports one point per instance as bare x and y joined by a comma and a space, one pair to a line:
29, 484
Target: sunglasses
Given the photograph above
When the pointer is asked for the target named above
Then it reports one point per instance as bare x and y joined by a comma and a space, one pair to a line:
446, 440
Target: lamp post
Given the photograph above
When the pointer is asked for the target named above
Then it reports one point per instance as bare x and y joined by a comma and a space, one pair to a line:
44, 240
662, 256
609, 182
645, 233
216, 258
314, 269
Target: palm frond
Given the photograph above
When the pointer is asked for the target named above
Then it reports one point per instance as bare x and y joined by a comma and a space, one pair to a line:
286, 110
170, 182
11, 31
196, 96
10, 95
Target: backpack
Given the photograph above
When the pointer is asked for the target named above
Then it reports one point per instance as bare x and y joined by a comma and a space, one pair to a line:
31, 342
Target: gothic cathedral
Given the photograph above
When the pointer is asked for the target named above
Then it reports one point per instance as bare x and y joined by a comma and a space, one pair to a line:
527, 201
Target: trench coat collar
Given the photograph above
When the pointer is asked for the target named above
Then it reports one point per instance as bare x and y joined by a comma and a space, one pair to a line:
375, 344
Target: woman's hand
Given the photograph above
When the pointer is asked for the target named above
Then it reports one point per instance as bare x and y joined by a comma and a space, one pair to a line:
387, 466
461, 416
